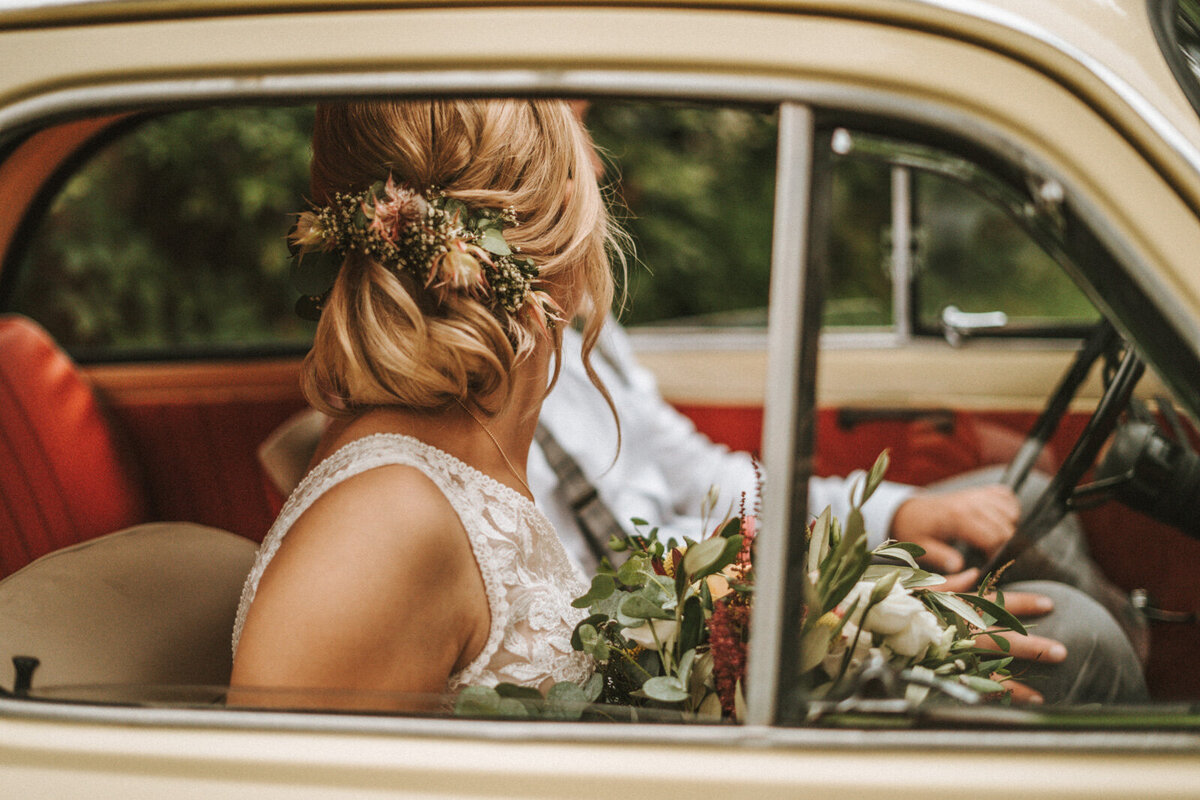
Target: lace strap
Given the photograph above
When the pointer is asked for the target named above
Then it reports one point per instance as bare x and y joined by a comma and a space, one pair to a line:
461, 484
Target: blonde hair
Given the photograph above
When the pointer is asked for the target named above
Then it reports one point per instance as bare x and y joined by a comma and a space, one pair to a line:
382, 338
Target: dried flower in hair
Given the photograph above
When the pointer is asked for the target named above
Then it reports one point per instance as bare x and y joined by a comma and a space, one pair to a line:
460, 268
441, 242
399, 208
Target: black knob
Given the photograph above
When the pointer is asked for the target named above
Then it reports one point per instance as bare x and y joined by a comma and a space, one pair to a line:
25, 665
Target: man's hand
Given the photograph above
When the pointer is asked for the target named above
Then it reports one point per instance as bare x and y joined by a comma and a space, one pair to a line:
1026, 647
984, 518
1024, 605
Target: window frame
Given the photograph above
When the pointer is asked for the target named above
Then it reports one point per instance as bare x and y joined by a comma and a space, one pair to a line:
1164, 17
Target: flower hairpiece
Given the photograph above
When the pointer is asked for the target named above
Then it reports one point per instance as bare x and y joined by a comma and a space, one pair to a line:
440, 242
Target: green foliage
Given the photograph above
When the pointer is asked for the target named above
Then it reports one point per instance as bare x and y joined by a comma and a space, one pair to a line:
860, 282
649, 627
974, 256
174, 234
699, 184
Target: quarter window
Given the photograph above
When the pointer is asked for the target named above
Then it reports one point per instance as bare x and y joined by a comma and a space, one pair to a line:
170, 240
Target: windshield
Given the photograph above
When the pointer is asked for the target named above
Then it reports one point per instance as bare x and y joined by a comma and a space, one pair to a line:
1177, 28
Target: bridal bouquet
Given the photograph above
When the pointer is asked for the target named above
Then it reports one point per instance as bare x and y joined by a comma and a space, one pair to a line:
669, 627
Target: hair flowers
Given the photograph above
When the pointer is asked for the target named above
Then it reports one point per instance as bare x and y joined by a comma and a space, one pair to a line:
440, 242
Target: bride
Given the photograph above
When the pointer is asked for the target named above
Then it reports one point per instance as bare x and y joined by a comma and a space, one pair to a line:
412, 558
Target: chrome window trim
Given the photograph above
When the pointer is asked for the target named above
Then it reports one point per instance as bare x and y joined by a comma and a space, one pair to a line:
698, 339
901, 261
783, 437
718, 736
64, 103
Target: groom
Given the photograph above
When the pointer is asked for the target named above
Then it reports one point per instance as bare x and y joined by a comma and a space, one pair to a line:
665, 468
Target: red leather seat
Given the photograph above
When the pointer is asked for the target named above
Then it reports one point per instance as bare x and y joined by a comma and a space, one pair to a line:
63, 478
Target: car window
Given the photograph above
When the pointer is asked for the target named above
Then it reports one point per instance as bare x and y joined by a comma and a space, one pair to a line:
697, 185
693, 185
970, 254
921, 244
167, 240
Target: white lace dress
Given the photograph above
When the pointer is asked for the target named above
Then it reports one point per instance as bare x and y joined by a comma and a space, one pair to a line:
529, 580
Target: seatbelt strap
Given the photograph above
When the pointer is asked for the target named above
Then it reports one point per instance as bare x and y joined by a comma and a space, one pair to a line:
594, 518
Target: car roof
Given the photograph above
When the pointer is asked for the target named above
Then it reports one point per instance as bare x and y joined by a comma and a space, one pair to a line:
1101, 47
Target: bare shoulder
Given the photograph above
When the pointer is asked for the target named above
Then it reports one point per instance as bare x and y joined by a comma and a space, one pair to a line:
362, 577
392, 509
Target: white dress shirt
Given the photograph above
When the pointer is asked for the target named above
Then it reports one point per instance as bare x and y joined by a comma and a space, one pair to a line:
665, 467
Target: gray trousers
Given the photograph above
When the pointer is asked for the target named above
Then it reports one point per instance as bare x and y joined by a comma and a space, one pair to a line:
1105, 636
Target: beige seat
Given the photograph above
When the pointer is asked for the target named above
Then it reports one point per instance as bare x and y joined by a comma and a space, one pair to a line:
152, 604
286, 453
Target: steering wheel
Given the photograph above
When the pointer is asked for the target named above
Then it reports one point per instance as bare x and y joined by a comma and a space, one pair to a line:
1123, 369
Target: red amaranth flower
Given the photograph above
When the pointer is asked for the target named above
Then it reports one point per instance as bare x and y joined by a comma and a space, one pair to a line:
728, 628
749, 531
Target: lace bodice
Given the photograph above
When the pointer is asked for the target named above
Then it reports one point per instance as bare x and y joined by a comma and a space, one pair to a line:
529, 580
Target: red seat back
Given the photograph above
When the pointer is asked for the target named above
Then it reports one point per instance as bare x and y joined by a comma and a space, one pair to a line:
63, 478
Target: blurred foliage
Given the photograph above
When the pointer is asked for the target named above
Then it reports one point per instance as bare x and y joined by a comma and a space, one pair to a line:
172, 235
698, 185
860, 279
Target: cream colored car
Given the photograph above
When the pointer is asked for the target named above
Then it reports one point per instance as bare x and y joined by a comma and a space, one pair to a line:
1075, 123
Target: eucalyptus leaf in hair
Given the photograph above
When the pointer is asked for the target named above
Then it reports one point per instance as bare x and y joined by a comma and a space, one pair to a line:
313, 273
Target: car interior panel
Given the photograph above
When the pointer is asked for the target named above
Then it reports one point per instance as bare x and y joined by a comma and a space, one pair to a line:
150, 605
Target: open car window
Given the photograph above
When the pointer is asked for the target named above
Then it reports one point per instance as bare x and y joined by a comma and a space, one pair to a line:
167, 241
161, 238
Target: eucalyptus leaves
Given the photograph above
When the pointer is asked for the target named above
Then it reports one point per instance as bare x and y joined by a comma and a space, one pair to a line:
654, 620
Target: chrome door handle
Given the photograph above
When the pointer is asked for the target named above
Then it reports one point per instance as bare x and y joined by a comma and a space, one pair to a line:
958, 325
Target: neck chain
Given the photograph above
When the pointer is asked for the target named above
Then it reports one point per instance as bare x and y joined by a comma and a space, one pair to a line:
499, 449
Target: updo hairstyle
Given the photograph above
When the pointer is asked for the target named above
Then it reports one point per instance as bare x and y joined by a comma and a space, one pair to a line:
383, 339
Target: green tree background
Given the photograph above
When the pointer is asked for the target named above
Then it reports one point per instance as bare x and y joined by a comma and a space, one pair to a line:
171, 237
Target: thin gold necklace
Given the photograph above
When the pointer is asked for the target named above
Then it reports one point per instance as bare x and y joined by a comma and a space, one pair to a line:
496, 442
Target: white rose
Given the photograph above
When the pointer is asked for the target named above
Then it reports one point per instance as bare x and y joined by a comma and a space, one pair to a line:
644, 634
921, 633
908, 627
894, 613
